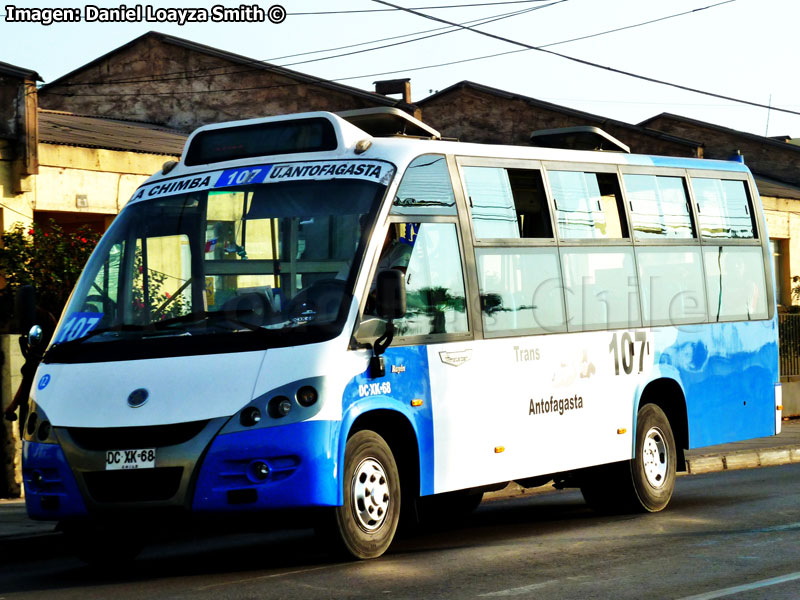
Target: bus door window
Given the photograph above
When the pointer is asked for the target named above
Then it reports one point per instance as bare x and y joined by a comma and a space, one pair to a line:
428, 254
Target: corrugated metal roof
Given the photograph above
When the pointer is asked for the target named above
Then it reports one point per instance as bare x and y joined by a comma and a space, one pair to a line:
20, 72
111, 134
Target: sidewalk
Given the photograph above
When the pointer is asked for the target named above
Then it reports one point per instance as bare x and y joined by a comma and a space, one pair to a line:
20, 536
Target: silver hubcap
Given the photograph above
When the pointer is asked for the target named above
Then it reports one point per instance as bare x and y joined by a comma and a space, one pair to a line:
370, 494
654, 457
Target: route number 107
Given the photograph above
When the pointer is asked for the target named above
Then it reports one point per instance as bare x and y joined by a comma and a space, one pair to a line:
624, 347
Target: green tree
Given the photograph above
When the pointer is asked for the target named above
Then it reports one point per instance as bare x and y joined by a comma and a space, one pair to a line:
48, 258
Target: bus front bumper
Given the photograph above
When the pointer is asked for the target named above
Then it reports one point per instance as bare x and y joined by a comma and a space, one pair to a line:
290, 466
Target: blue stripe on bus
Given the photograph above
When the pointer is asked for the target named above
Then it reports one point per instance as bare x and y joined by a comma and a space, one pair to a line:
302, 471
728, 372
54, 480
408, 379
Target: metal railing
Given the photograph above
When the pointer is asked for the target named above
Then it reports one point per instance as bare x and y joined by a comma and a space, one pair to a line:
789, 334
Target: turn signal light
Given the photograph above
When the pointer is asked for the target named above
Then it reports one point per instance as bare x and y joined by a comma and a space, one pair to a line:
250, 416
499, 449
779, 407
416, 402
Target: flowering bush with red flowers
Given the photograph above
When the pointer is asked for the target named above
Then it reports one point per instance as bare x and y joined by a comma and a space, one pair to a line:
48, 258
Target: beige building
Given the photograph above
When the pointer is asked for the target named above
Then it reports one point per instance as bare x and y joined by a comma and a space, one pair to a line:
73, 169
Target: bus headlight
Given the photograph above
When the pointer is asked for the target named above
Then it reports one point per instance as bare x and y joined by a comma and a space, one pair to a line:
37, 426
306, 396
250, 416
279, 407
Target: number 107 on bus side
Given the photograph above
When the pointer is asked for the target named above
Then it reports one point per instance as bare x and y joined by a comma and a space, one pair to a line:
629, 347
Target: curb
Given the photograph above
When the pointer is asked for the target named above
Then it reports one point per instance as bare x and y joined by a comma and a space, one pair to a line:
742, 459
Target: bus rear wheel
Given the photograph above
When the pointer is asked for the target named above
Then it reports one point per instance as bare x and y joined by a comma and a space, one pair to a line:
644, 483
367, 520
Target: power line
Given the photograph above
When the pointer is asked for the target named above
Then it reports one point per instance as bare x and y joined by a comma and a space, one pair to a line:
485, 56
590, 63
374, 10
485, 22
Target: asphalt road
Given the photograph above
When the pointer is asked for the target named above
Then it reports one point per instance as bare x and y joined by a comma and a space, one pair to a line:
734, 534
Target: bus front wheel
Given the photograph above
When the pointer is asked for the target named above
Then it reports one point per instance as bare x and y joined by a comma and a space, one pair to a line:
646, 482
367, 520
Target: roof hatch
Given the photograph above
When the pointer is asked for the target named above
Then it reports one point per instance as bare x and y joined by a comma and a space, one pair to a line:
583, 137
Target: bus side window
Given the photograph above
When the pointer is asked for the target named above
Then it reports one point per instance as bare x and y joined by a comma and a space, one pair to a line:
428, 254
425, 188
588, 205
659, 207
723, 208
507, 203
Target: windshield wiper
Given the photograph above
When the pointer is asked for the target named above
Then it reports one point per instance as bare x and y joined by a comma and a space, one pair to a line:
196, 317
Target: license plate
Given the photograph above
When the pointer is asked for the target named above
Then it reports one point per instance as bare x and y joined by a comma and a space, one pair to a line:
130, 459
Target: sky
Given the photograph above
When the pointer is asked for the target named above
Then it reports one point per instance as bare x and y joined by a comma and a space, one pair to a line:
744, 49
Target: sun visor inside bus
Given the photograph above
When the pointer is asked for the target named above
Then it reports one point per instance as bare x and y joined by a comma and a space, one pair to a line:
313, 198
262, 139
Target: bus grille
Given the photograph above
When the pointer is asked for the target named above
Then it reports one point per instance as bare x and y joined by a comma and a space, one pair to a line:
136, 485
127, 438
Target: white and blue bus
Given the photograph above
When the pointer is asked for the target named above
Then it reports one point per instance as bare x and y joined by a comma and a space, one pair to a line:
347, 314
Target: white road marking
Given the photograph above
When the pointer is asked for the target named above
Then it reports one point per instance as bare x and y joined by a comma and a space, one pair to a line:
516, 591
262, 577
744, 588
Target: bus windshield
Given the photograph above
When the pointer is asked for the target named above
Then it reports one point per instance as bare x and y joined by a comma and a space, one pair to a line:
248, 258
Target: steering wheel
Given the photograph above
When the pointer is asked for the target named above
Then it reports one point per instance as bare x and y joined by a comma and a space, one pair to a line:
250, 308
320, 301
91, 299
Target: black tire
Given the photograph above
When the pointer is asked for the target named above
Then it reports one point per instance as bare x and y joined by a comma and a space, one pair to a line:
366, 522
643, 484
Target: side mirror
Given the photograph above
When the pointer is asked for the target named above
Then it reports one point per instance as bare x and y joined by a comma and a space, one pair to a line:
391, 294
35, 337
25, 308
390, 291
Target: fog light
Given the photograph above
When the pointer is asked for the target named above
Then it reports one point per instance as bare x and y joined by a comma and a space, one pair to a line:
259, 470
44, 431
306, 396
279, 407
37, 480
250, 416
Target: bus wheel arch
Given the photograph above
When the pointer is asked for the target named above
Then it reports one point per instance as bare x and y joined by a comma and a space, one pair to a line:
379, 479
668, 395
644, 483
